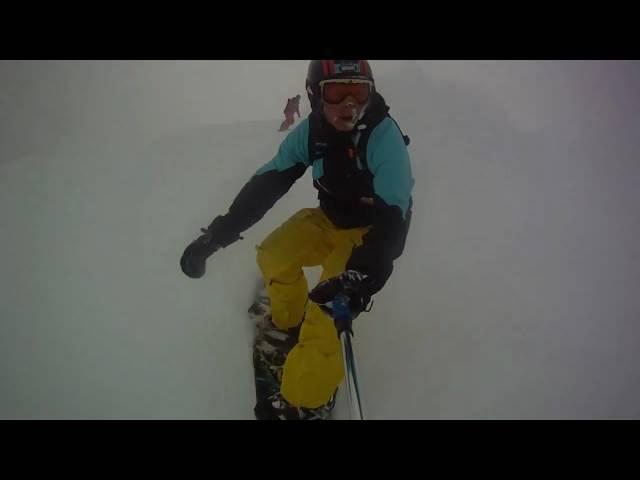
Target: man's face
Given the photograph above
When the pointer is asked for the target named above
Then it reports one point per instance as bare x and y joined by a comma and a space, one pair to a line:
344, 103
344, 116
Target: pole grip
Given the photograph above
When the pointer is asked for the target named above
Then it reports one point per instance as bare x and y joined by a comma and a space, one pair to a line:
342, 314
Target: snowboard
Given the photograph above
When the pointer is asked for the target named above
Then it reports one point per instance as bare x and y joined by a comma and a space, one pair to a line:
270, 349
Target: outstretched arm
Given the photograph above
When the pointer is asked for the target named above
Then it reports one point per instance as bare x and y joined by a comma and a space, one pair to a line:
255, 199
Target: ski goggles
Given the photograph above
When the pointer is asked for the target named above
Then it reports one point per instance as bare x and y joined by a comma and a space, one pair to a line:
335, 91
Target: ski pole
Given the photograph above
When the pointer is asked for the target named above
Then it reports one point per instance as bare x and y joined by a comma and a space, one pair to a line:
343, 320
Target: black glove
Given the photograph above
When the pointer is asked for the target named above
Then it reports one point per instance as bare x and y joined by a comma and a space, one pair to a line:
353, 284
194, 259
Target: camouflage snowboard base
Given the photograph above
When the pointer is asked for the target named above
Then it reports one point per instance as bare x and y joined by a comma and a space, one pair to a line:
270, 349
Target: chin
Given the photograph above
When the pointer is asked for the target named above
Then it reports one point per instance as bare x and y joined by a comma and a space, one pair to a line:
344, 128
342, 125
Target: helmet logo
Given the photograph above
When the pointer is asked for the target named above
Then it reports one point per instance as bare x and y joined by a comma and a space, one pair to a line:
347, 67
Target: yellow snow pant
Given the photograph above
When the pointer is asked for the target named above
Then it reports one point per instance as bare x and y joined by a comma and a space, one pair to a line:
314, 367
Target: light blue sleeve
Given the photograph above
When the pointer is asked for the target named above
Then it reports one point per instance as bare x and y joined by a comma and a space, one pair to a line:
294, 149
389, 162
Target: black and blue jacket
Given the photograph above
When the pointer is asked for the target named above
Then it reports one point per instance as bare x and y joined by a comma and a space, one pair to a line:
363, 179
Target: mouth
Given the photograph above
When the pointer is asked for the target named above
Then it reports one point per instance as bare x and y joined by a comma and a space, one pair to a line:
344, 118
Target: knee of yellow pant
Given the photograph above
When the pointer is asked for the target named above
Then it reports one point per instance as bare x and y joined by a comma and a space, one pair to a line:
315, 316
286, 315
288, 301
274, 267
310, 378
264, 260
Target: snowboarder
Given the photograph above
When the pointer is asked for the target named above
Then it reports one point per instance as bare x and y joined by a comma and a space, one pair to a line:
293, 107
361, 169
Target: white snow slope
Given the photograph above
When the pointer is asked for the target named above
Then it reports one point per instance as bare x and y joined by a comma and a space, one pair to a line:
516, 297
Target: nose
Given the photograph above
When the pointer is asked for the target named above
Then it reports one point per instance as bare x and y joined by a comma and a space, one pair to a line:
350, 102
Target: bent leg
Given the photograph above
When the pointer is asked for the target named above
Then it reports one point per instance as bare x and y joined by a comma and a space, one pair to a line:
299, 242
314, 367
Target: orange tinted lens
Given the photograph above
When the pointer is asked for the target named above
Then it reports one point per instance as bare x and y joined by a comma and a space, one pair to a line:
337, 92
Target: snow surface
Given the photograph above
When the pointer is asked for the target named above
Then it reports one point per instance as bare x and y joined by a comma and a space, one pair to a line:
517, 295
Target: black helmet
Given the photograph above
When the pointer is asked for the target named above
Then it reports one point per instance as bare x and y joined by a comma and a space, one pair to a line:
320, 70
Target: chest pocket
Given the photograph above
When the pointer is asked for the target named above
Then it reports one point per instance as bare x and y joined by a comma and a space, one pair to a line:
342, 174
